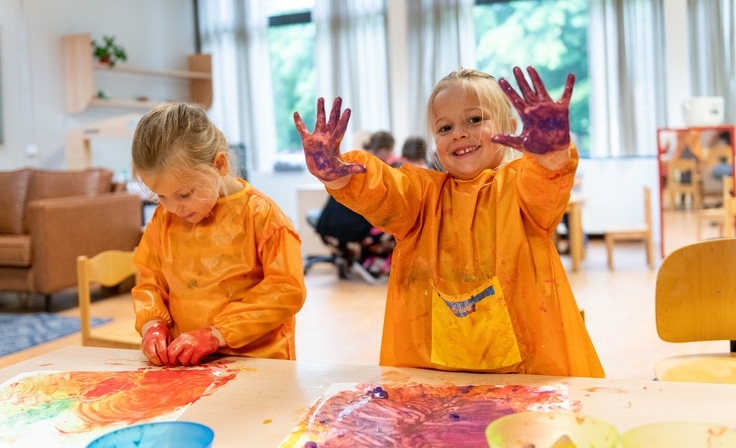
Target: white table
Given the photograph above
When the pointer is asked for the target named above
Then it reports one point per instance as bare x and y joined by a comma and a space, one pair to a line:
269, 397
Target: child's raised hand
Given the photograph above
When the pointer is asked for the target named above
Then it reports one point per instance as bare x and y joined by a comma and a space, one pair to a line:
322, 147
546, 122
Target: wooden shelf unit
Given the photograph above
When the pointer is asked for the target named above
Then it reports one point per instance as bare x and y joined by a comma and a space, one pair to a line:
79, 68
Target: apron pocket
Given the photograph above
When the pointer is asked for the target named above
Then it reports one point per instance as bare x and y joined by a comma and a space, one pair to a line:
473, 331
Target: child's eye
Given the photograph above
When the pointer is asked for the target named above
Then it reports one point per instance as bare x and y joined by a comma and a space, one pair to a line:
185, 195
443, 129
475, 120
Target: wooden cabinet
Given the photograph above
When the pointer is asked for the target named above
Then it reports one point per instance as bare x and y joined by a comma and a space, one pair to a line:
80, 69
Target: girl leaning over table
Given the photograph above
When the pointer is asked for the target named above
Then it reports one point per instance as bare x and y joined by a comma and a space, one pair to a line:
220, 267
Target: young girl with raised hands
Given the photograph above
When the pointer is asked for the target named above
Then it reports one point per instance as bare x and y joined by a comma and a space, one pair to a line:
476, 283
220, 266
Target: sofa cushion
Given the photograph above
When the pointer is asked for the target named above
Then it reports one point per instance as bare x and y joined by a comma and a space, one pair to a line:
104, 181
13, 200
48, 184
15, 250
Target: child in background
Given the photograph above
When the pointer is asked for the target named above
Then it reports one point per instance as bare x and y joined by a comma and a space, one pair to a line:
365, 249
381, 144
220, 266
476, 283
414, 151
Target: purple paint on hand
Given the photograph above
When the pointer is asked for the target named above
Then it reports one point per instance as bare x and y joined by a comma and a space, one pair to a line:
546, 122
322, 147
310, 444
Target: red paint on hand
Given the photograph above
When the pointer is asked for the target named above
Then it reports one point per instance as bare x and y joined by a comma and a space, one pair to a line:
155, 344
546, 122
190, 347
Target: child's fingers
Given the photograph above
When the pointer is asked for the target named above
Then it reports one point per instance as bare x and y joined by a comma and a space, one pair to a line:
300, 126
320, 114
338, 170
175, 350
153, 357
537, 82
342, 125
156, 353
508, 140
334, 114
567, 93
514, 97
162, 354
185, 357
526, 91
352, 168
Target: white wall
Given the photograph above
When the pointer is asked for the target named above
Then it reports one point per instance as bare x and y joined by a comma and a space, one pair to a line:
156, 34
159, 34
614, 192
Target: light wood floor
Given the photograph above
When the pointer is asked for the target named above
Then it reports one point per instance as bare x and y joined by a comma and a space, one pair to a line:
341, 320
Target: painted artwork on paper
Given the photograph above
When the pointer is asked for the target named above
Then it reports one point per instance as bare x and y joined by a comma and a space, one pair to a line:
73, 408
370, 415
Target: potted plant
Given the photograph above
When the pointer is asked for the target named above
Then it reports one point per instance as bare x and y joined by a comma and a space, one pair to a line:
108, 52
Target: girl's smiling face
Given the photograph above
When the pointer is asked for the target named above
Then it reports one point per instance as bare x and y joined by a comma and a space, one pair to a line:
462, 130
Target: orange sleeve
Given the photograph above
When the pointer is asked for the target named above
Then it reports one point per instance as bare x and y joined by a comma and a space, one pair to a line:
151, 293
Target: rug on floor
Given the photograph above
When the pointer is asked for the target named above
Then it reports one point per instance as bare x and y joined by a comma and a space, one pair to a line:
19, 331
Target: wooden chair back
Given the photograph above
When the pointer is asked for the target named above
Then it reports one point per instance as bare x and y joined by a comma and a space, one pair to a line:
718, 214
695, 296
648, 211
641, 232
729, 207
729, 217
647, 237
108, 268
676, 171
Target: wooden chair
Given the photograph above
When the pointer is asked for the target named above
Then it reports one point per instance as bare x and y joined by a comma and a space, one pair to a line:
642, 232
676, 186
695, 300
108, 268
712, 186
729, 217
717, 214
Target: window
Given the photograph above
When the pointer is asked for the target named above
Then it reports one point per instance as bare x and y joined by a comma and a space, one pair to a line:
291, 35
549, 35
256, 101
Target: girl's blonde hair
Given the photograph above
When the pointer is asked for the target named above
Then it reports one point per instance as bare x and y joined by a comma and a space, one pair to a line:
491, 98
175, 139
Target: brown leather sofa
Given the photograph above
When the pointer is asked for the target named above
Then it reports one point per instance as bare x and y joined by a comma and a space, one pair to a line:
48, 218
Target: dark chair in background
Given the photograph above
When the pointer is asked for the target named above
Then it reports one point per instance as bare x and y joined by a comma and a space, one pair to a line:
238, 152
310, 260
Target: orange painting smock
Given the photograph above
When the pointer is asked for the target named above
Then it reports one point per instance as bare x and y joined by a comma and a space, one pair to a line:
239, 269
476, 283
